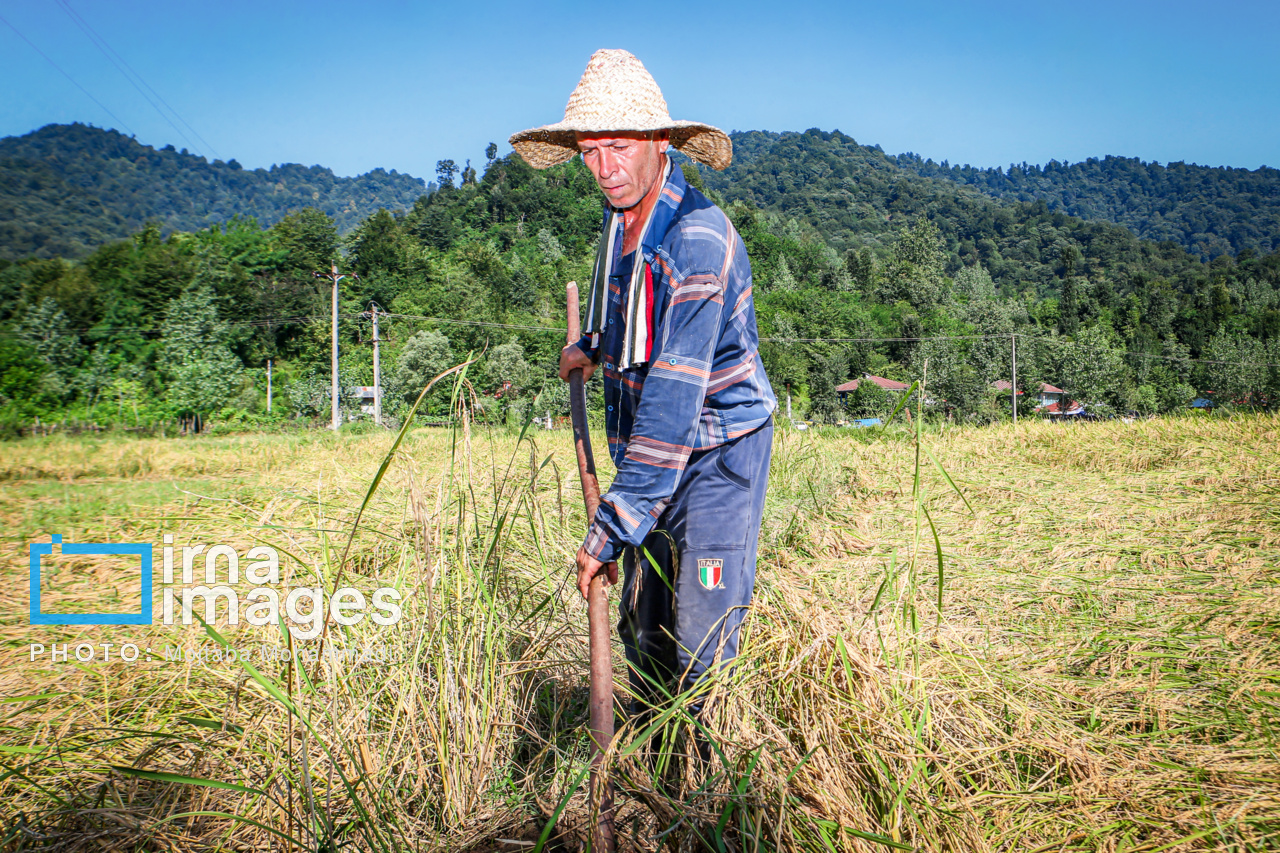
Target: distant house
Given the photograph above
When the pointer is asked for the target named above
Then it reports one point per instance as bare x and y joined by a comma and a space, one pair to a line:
887, 384
1001, 388
1060, 409
1050, 399
366, 394
1053, 401
1050, 395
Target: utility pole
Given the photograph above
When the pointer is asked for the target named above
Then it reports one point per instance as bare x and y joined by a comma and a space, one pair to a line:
268, 386
1013, 384
333, 276
374, 308
377, 372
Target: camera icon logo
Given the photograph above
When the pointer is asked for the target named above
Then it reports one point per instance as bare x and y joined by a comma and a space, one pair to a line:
142, 550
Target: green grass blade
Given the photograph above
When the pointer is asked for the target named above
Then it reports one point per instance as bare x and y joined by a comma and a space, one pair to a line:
179, 779
947, 477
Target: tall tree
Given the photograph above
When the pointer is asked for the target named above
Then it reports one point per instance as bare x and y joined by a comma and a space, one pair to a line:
1069, 304
203, 372
445, 170
914, 274
311, 239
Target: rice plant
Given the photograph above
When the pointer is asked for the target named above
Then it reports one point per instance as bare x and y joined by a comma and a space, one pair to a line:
1041, 638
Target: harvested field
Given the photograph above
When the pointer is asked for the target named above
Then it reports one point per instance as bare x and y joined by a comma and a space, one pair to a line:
1084, 659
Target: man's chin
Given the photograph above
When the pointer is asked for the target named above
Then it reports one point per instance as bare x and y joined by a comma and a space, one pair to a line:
622, 202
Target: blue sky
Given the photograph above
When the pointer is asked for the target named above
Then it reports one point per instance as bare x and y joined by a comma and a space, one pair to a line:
399, 84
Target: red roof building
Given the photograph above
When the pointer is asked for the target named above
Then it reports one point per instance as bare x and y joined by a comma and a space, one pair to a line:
886, 384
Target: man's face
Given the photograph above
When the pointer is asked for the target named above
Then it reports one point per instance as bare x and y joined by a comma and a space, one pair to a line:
625, 163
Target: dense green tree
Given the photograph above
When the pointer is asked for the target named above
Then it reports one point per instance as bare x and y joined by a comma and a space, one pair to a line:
46, 329
1174, 202
1091, 371
203, 373
869, 400
424, 356
21, 374
375, 247
830, 370
507, 370
310, 237
914, 273
445, 170
1235, 370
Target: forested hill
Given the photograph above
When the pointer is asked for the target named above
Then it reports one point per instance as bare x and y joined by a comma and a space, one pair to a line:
852, 192
1210, 211
66, 189
857, 266
859, 201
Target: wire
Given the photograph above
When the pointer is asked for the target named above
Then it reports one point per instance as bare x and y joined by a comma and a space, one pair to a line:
112, 57
1002, 336
176, 114
477, 323
119, 120
878, 340
276, 321
262, 323
1151, 354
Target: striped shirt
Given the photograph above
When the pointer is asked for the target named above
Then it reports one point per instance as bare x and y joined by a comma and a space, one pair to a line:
703, 385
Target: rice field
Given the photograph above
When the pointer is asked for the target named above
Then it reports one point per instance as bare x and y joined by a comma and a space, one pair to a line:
1048, 638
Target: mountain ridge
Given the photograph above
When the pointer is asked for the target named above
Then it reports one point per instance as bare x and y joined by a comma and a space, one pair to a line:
66, 189
115, 184
1209, 210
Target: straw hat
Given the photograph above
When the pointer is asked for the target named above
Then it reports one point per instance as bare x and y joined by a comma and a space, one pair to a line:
617, 92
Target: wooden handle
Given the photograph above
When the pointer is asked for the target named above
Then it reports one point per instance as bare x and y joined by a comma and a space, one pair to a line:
578, 409
574, 326
601, 702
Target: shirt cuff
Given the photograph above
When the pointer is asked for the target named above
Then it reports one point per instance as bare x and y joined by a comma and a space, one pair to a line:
584, 344
601, 545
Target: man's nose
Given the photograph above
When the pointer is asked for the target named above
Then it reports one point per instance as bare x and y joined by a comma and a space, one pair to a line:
608, 161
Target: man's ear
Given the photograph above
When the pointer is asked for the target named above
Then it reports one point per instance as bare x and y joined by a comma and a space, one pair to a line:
663, 138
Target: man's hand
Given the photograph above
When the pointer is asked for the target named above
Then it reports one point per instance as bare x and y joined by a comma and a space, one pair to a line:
589, 567
571, 358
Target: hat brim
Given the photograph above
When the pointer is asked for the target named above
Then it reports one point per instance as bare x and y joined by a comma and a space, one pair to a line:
553, 144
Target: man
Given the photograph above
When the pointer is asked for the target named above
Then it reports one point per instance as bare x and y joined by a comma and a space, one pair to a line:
688, 406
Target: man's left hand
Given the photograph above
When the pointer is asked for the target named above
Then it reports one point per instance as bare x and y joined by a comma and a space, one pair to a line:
589, 567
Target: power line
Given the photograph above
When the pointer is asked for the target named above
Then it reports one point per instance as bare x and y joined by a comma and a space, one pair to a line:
880, 340
112, 57
275, 321
119, 120
1149, 354
547, 329
1003, 336
263, 323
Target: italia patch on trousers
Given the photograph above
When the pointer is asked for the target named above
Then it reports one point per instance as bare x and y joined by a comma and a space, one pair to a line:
709, 572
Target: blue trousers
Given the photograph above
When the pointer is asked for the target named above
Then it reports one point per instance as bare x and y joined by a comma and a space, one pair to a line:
686, 591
